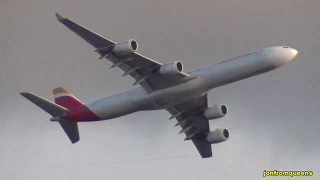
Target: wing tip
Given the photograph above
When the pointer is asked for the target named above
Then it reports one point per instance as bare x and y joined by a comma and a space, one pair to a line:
24, 94
59, 17
75, 141
206, 157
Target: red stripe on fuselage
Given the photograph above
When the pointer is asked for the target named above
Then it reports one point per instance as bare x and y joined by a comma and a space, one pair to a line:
82, 113
68, 102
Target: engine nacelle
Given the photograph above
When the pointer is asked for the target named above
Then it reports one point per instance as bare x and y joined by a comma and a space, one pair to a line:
216, 111
170, 69
217, 136
125, 48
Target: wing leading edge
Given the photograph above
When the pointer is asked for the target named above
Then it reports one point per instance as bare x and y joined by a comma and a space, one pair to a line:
138, 66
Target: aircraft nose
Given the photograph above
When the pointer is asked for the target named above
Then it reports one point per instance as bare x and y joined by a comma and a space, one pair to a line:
283, 55
293, 53
288, 54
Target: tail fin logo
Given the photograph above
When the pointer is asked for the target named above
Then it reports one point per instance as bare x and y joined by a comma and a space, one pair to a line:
64, 98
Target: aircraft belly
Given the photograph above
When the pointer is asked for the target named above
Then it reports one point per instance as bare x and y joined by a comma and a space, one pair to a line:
178, 94
113, 107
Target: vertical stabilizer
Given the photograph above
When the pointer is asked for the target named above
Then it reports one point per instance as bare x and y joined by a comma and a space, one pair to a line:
64, 98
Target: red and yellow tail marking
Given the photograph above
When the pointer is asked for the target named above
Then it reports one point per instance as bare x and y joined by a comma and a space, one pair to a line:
64, 98
78, 111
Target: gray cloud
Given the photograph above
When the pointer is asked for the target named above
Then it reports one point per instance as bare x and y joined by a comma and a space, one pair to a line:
273, 117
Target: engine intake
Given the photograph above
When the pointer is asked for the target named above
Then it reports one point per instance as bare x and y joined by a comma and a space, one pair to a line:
171, 69
217, 136
216, 111
125, 48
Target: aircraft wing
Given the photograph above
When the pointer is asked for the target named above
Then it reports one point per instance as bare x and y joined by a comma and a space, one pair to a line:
139, 67
193, 124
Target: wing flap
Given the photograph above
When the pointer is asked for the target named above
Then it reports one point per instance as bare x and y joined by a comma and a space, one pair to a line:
193, 124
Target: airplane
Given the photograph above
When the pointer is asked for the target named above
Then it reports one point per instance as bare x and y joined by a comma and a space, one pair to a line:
162, 87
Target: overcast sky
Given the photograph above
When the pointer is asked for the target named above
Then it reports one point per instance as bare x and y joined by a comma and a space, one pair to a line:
273, 118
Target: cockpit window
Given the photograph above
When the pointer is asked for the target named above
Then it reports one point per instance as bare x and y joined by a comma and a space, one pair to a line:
285, 47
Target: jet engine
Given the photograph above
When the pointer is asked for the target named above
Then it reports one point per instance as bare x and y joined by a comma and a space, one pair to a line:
125, 48
171, 69
217, 136
216, 111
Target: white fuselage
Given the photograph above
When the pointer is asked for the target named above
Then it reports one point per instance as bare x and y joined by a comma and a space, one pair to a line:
205, 79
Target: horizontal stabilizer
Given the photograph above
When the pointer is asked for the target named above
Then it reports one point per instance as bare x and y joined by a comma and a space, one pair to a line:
48, 106
59, 17
55, 110
71, 129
